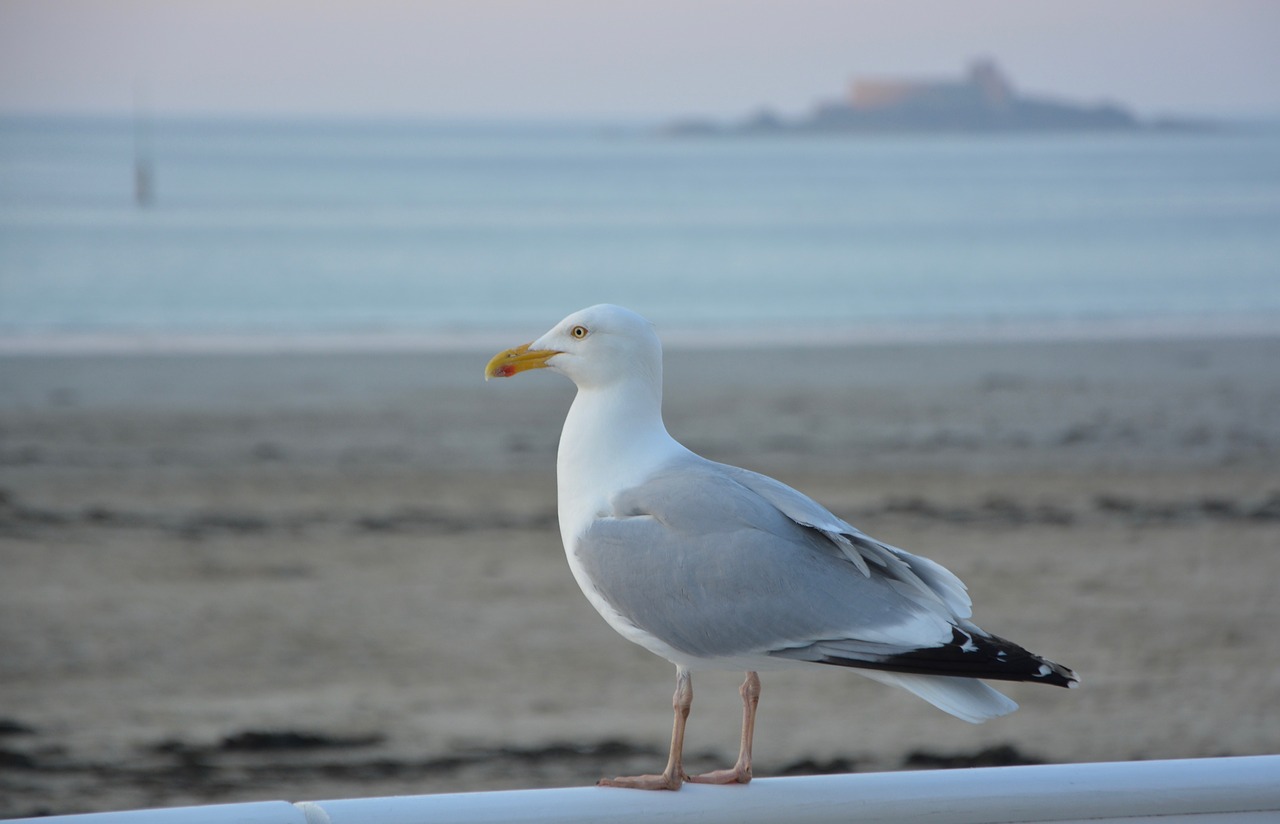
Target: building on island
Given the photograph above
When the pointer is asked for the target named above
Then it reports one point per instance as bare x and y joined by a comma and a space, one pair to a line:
982, 100
984, 86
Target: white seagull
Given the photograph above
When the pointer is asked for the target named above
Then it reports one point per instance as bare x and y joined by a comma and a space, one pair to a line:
714, 567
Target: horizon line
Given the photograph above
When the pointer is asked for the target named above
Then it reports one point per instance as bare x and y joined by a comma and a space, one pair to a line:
603, 118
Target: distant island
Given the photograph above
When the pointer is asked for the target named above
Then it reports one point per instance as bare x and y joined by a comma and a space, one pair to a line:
983, 100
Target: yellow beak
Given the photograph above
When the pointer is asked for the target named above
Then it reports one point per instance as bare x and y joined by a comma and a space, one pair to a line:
520, 359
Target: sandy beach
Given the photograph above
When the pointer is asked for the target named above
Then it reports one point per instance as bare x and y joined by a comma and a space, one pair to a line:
247, 576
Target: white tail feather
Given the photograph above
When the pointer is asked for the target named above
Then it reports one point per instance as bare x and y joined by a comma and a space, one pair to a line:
966, 698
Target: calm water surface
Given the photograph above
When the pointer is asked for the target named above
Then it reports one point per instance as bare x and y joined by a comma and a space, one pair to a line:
367, 230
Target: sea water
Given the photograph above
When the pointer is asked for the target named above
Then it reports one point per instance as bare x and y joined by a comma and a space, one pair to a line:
360, 233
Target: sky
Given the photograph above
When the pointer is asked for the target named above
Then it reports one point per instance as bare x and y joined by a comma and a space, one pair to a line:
618, 58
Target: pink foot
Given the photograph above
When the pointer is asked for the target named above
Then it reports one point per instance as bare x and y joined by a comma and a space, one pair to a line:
736, 775
666, 781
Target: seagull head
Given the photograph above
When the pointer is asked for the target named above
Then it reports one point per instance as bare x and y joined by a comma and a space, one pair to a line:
595, 347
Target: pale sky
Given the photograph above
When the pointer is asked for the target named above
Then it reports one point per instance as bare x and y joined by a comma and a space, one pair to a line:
619, 58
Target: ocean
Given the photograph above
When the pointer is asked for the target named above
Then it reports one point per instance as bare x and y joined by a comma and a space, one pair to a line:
348, 235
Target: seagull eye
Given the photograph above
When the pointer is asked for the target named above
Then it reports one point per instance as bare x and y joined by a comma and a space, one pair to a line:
578, 332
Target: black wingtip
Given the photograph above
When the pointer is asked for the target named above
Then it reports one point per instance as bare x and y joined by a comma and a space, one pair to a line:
970, 655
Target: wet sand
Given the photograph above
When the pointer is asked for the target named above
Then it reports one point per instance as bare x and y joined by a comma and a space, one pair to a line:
241, 577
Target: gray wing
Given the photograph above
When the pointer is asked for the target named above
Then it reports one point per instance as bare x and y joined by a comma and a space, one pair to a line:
927, 577
714, 568
720, 562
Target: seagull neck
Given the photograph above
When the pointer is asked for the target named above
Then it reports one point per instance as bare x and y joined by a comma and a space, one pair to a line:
623, 422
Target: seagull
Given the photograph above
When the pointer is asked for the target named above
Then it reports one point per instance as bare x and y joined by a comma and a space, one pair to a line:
713, 567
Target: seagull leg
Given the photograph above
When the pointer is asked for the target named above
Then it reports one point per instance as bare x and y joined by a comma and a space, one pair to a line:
674, 775
740, 773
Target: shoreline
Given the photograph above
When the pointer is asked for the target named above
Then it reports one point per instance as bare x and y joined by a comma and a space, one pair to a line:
677, 336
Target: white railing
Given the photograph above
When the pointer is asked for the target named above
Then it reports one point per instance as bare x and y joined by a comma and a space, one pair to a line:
1195, 791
